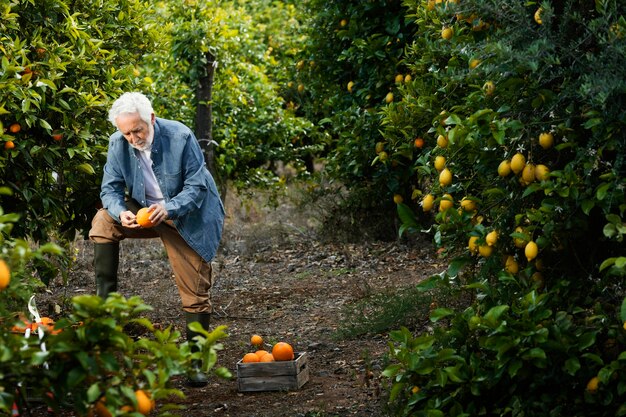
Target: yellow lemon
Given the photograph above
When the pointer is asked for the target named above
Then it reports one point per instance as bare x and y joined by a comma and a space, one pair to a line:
518, 162
446, 202
380, 146
519, 242
389, 98
427, 202
531, 250
397, 198
592, 385
468, 205
442, 141
350, 85
440, 163
504, 169
474, 63
447, 33
489, 88
485, 251
471, 244
492, 238
399, 78
542, 172
546, 140
528, 173
510, 265
445, 177
407, 78
538, 15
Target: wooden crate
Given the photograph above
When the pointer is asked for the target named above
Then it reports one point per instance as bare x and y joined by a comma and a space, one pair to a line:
273, 376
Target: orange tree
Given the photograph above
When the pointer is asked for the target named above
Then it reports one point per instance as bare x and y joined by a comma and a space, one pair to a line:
521, 180
252, 125
61, 63
350, 68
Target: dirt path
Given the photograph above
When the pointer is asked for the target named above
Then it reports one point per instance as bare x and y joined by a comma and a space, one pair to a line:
276, 279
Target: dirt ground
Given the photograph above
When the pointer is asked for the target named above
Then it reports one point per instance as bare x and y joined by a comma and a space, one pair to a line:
276, 278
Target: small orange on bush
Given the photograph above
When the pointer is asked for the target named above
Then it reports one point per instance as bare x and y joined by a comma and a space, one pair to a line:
144, 403
15, 128
419, 143
5, 275
250, 358
9, 145
283, 351
256, 340
143, 217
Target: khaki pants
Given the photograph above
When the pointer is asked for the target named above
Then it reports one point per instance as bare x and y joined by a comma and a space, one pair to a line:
193, 275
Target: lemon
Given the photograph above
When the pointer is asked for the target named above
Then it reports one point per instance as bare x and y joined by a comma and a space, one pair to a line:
485, 251
542, 172
531, 250
408, 78
510, 265
399, 78
492, 238
397, 198
468, 205
539, 264
445, 177
546, 140
474, 63
442, 141
518, 162
504, 169
415, 389
300, 88
519, 242
389, 98
380, 146
447, 33
446, 202
538, 15
489, 88
383, 156
440, 163
528, 173
350, 85
537, 279
427, 202
471, 245
592, 385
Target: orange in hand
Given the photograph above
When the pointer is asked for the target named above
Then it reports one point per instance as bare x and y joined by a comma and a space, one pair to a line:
143, 218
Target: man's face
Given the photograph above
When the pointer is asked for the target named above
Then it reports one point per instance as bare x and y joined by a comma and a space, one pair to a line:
137, 132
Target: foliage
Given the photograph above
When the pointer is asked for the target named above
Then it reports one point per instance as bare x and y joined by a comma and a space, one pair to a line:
349, 66
61, 63
509, 73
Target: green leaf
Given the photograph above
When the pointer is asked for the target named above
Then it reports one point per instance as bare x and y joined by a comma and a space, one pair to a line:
86, 168
439, 313
93, 392
457, 265
572, 365
602, 191
494, 313
586, 340
622, 313
587, 205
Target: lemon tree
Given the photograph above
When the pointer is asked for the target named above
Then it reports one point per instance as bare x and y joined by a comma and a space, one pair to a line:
536, 144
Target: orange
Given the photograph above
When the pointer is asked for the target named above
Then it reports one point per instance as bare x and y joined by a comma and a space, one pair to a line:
260, 353
9, 145
143, 218
419, 143
250, 358
283, 351
100, 409
15, 127
144, 402
56, 135
268, 357
5, 275
256, 340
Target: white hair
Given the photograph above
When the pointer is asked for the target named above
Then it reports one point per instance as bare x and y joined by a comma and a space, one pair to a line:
131, 103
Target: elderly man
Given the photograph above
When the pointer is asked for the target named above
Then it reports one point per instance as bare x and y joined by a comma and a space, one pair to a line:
158, 164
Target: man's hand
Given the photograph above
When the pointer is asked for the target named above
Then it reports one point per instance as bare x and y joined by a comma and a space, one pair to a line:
128, 219
158, 213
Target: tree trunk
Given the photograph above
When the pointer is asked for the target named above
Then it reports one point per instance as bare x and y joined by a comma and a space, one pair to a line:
204, 122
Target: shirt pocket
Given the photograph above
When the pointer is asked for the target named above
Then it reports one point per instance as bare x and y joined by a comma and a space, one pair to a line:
173, 184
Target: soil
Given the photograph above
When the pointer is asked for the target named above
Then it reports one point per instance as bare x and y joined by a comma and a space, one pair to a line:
278, 278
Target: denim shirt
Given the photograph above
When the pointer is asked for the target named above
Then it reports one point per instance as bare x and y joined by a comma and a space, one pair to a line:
191, 197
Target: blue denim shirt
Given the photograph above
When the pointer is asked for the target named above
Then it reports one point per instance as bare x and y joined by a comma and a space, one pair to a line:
191, 197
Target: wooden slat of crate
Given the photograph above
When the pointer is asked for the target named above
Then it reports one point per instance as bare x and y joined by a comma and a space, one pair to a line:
273, 376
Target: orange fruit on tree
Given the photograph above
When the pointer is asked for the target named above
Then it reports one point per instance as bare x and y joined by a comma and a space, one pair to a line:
283, 351
15, 127
256, 340
419, 143
9, 145
57, 135
145, 404
268, 357
5, 275
250, 358
100, 409
143, 217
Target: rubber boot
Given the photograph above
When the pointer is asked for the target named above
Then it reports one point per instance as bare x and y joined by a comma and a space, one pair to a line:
196, 377
106, 259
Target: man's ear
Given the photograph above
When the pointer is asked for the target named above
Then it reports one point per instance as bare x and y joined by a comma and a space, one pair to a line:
152, 119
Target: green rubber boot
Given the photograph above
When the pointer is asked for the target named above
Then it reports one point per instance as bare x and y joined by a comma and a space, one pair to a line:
196, 377
106, 259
